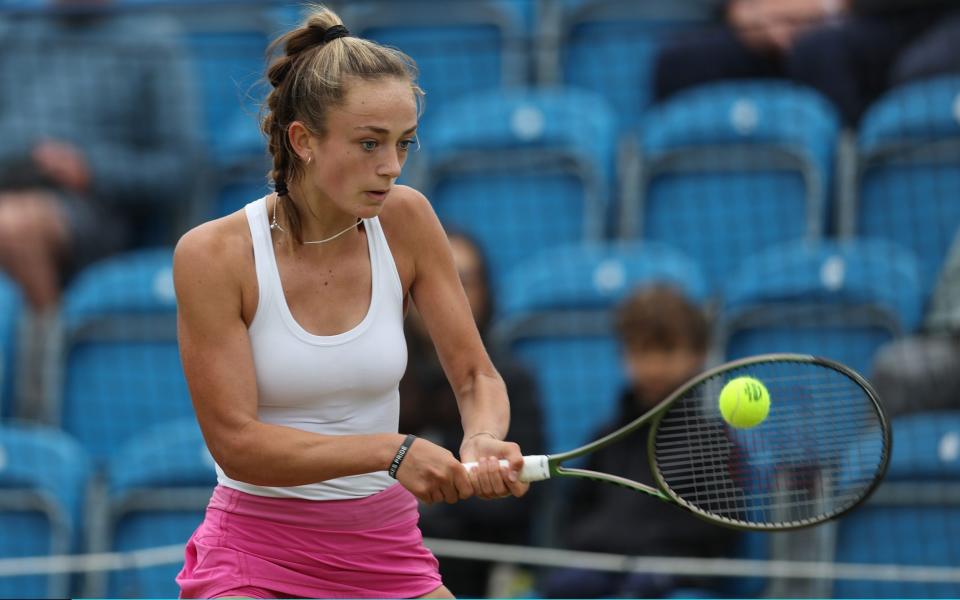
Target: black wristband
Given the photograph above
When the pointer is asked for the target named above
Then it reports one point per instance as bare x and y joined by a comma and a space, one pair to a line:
401, 454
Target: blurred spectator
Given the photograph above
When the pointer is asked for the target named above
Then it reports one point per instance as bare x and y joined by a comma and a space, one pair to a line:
665, 340
96, 119
429, 410
935, 52
922, 372
846, 49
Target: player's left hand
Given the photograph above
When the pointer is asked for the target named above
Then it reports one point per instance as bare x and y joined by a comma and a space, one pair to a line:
489, 479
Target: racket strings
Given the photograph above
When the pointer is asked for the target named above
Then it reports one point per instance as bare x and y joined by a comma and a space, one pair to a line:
817, 453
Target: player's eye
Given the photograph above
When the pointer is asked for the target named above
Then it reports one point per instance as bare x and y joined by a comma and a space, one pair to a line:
411, 144
368, 145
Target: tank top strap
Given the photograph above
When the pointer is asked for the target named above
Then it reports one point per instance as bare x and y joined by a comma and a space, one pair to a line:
262, 251
386, 266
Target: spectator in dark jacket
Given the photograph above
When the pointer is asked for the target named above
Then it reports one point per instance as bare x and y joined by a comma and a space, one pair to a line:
919, 372
665, 339
845, 49
428, 408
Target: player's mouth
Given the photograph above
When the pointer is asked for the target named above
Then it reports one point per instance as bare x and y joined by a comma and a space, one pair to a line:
377, 195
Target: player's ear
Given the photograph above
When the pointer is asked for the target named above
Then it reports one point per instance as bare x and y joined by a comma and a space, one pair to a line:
300, 137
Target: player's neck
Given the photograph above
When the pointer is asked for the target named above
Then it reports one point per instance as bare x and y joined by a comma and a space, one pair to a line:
322, 224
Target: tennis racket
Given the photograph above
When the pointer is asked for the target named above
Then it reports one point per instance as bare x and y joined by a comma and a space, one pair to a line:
822, 449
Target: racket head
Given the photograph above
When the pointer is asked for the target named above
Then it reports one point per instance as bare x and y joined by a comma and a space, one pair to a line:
821, 451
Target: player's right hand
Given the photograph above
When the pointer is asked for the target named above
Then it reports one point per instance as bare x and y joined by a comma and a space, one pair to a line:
433, 474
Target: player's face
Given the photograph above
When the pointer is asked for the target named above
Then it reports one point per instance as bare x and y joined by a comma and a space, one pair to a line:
366, 144
655, 373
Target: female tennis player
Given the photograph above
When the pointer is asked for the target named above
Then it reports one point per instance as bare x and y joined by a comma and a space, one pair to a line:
291, 336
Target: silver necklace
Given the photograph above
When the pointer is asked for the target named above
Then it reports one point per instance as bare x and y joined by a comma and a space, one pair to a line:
275, 225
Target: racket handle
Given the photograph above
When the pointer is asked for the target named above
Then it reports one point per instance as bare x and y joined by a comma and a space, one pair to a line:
535, 467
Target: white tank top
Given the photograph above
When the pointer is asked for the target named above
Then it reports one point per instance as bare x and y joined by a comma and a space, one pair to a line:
333, 385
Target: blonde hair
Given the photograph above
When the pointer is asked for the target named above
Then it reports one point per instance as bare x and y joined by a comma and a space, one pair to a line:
309, 78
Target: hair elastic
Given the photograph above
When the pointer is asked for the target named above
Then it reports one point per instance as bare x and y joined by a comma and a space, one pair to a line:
335, 32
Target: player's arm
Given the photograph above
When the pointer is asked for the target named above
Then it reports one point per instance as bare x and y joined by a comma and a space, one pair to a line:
479, 389
218, 363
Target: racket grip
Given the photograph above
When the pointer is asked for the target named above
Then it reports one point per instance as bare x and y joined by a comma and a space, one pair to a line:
535, 467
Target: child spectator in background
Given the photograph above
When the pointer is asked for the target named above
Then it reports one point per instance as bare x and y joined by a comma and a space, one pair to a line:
664, 341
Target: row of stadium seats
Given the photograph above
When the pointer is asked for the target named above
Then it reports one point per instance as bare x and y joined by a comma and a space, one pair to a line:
525, 167
719, 172
152, 493
841, 300
469, 46
616, 164
155, 490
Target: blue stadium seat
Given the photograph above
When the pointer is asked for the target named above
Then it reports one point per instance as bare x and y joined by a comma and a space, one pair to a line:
610, 47
520, 171
43, 473
840, 300
119, 366
908, 176
914, 516
728, 169
555, 316
158, 487
228, 49
237, 190
21, 5
226, 45
466, 47
11, 305
526, 12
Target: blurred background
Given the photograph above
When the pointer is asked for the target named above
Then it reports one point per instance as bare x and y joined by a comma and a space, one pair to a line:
620, 180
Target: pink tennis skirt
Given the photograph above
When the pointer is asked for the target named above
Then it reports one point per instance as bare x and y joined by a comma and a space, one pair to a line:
261, 547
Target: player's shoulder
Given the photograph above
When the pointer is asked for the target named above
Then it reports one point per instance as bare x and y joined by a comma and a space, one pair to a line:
407, 214
219, 246
405, 202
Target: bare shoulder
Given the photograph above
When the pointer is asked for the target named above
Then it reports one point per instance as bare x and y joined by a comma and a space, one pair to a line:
405, 202
413, 231
216, 252
408, 217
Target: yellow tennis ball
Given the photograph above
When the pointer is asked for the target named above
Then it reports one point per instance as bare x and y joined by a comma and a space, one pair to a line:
744, 402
